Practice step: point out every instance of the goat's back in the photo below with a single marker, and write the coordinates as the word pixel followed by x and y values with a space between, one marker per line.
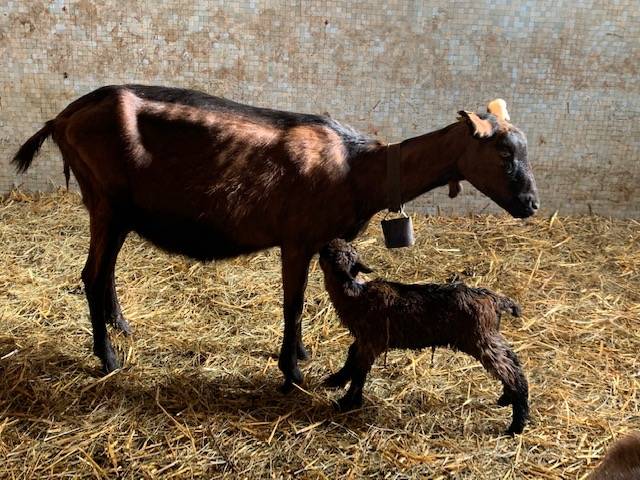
pixel 419 315
pixel 208 177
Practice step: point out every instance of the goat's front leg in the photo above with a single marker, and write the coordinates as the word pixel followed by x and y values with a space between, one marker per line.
pixel 295 268
pixel 301 351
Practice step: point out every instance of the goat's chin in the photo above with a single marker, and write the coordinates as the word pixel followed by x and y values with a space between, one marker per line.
pixel 516 209
pixel 522 212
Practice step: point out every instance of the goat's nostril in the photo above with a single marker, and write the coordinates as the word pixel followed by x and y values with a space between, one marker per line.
pixel 530 201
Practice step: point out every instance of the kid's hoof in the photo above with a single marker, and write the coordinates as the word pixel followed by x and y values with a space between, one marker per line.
pixel 348 404
pixel 514 429
pixel 520 416
pixel 504 400
pixel 286 387
pixel 335 380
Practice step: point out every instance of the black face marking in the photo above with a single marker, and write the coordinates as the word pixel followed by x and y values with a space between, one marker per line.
pixel 515 142
pixel 512 148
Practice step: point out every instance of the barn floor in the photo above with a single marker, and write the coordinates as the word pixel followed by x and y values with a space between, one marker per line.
pixel 198 394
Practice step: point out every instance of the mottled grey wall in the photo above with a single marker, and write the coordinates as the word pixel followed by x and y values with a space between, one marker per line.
pixel 568 70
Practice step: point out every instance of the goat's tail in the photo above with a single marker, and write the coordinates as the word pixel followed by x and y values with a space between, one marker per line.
pixel 22 160
pixel 506 304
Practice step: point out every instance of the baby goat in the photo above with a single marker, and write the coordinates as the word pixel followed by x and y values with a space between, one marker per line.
pixel 383 315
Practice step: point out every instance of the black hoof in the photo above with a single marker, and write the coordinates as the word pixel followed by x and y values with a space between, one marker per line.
pixel 335 380
pixel 520 417
pixel 301 352
pixel 504 400
pixel 514 429
pixel 295 377
pixel 286 387
pixel 120 323
pixel 347 404
pixel 110 364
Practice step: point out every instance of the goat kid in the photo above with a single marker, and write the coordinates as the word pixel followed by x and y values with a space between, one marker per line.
pixel 385 315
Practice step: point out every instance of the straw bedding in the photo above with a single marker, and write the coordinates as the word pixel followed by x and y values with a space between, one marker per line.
pixel 198 396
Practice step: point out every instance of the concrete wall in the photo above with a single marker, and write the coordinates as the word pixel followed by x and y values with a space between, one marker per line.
pixel 568 70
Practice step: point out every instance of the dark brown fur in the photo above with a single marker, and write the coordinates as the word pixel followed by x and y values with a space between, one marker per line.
pixel 209 178
pixel 386 315
pixel 622 461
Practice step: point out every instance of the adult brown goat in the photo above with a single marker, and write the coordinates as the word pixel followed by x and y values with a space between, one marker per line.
pixel 210 179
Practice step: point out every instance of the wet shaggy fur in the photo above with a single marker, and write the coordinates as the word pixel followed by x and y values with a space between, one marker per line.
pixel 385 315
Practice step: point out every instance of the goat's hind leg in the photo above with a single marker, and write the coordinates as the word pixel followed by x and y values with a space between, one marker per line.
pixel 113 311
pixel 340 378
pixel 105 243
pixel 498 358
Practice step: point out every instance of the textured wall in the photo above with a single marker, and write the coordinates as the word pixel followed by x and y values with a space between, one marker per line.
pixel 568 70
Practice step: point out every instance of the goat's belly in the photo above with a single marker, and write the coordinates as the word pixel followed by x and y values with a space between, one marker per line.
pixel 190 238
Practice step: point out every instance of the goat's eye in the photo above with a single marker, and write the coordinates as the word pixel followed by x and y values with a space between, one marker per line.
pixel 505 153
pixel 509 165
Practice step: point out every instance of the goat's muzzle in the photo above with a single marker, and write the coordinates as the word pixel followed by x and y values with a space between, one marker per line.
pixel 528 204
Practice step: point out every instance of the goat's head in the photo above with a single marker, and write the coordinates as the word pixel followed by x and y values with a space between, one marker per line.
pixel 340 260
pixel 495 161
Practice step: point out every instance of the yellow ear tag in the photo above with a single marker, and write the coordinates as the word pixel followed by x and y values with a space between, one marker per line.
pixel 498 107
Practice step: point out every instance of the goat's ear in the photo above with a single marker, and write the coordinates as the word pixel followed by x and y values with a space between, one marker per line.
pixel 482 127
pixel 361 267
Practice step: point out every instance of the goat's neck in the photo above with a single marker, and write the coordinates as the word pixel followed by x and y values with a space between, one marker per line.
pixel 426 162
